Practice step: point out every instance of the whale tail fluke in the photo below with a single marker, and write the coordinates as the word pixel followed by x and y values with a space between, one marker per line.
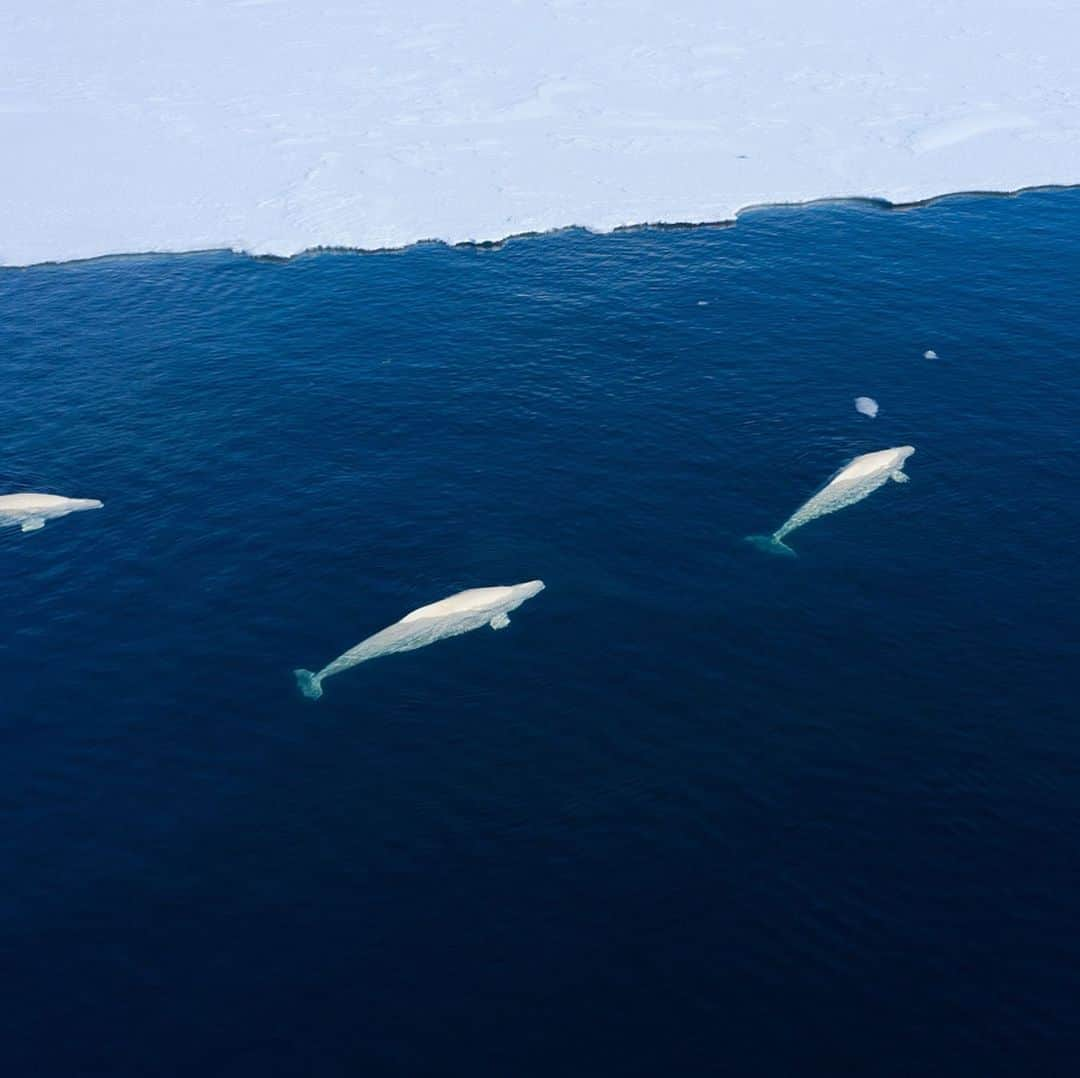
pixel 309 684
pixel 771 545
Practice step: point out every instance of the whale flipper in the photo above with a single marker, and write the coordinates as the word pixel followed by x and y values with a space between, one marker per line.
pixel 500 621
pixel 900 477
pixel 34 524
pixel 309 684
pixel 771 545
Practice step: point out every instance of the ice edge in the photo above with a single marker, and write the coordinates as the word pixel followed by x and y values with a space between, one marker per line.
pixel 495 244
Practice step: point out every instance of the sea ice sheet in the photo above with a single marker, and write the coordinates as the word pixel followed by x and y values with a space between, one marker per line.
pixel 271 127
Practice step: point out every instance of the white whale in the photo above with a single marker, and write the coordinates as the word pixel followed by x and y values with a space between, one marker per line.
pixel 460 613
pixel 851 484
pixel 30 511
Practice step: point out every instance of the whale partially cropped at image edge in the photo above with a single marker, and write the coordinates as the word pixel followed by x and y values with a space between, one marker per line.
pixel 855 481
pixel 31 511
pixel 457 614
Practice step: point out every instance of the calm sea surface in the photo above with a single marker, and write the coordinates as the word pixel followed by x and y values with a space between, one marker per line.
pixel 698 810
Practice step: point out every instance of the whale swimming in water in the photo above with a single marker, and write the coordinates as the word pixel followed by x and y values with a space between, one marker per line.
pixel 855 481
pixel 30 511
pixel 460 613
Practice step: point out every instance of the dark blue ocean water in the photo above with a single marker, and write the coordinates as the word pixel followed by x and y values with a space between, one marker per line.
pixel 699 810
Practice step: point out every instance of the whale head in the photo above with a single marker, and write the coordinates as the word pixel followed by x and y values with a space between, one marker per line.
pixel 903 452
pixel 80 505
pixel 530 588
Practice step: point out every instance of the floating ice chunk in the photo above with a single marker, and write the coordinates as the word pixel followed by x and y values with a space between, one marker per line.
pixel 460 613
pixel 866 405
pixel 703 303
pixel 855 481
pixel 30 511
pixel 929 354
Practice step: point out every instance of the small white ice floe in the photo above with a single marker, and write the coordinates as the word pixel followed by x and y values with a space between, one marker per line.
pixel 929 354
pixel 703 303
pixel 866 405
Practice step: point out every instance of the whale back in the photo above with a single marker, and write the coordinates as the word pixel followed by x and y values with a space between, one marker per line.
pixel 48 504
pixel 869 464
pixel 29 502
pixel 474 599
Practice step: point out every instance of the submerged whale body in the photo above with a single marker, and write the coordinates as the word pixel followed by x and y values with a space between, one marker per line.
pixel 855 481
pixel 457 614
pixel 30 511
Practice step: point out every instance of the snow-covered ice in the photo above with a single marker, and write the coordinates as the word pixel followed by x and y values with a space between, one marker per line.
pixel 272 126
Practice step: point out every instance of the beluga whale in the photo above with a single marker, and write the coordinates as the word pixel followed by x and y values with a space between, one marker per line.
pixel 30 511
pixel 457 614
pixel 855 481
